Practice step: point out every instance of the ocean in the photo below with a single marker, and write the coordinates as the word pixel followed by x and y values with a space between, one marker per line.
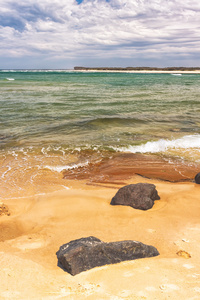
pixel 52 121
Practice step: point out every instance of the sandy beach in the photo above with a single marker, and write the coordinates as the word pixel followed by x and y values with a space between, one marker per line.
pixel 39 224
pixel 143 71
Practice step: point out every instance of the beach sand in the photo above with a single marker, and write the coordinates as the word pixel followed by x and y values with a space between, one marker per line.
pixel 39 224
pixel 144 71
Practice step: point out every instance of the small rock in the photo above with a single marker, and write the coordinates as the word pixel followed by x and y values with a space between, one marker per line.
pixel 162 287
pixel 4 209
pixel 139 196
pixel 185 241
pixel 197 178
pixel 87 253
pixel 183 253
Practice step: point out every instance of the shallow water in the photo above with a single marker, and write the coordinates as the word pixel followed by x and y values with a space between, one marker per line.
pixel 56 120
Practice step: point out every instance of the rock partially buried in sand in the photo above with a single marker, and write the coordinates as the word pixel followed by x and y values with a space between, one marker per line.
pixel 183 253
pixel 4 209
pixel 197 178
pixel 139 196
pixel 87 253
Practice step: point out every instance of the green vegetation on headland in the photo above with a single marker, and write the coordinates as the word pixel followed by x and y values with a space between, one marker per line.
pixel 137 69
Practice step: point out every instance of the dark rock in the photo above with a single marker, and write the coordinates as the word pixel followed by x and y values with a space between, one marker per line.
pixel 197 178
pixel 139 196
pixel 86 253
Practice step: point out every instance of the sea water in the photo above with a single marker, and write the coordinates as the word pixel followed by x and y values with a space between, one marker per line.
pixel 55 120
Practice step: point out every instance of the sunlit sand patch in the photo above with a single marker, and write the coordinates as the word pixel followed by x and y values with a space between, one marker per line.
pixel 144 269
pixel 169 287
pixel 10 295
pixel 197 289
pixel 128 274
pixel 25 243
pixel 197 228
pixel 62 293
pixel 195 275
pixel 150 289
pixel 159 204
pixel 175 261
pixel 142 295
pixel 180 243
pixel 151 230
pixel 125 293
pixel 188 266
pixel 85 290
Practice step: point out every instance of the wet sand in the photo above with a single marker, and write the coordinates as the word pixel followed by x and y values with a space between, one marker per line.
pixel 40 223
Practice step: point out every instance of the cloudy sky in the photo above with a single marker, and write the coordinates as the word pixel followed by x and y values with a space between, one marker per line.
pixel 67 33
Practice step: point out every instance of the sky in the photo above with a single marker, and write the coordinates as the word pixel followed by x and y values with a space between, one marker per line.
pixel 61 34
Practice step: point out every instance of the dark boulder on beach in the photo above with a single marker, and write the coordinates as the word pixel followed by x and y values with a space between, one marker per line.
pixel 87 253
pixel 139 196
pixel 197 178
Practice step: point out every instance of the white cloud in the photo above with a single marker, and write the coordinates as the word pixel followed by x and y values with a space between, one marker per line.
pixel 115 28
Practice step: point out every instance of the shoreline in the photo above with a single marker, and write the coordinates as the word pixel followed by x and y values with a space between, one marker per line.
pixel 29 174
pixel 39 224
pixel 135 72
pixel 141 70
pixel 122 166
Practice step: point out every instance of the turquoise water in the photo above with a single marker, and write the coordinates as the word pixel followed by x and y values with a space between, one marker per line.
pixel 96 110
pixel 56 120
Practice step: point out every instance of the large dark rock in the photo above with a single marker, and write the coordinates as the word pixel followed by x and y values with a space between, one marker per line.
pixel 139 196
pixel 197 178
pixel 86 253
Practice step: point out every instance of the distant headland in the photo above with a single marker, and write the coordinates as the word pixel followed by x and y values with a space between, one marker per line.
pixel 139 69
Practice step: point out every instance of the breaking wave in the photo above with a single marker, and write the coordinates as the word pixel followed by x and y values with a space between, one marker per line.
pixel 67 167
pixel 163 145
pixel 176 74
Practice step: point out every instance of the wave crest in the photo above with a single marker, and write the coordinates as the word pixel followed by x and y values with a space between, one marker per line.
pixel 163 145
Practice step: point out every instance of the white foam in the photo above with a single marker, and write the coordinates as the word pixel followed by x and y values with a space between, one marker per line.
pixel 162 145
pixel 10 79
pixel 13 153
pixel 66 167
pixel 66 187
pixel 176 74
pixel 3 175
